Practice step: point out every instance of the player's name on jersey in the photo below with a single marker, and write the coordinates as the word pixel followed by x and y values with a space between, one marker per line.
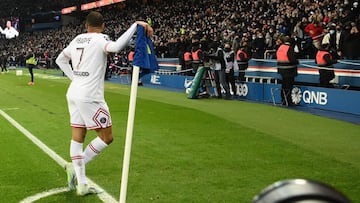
pixel 82 40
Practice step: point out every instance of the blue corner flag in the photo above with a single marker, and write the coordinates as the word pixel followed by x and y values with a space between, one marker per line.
pixel 144 56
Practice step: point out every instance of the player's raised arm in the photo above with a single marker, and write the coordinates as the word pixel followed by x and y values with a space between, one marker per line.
pixel 124 39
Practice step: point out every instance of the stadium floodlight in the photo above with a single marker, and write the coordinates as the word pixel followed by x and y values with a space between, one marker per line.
pixel 300 191
pixel 98 4
pixel 68 10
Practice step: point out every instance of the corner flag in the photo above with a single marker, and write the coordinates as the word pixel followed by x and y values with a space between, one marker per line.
pixel 144 51
pixel 144 58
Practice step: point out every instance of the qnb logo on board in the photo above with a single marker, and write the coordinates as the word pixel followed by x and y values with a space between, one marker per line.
pixel 242 90
pixel 309 97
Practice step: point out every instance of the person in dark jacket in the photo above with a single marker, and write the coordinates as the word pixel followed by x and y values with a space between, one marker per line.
pixel 287 68
pixel 349 42
pixel 3 62
pixel 229 62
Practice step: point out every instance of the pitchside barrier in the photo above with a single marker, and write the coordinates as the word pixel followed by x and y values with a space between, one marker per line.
pixel 347 72
pixel 263 84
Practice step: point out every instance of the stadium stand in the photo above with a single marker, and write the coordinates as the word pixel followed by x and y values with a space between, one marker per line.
pixel 260 22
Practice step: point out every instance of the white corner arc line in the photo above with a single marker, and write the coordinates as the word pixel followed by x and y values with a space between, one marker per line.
pixel 104 196
pixel 44 194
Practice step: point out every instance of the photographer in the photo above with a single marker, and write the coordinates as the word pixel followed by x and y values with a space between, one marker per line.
pixel 330 40
pixel 230 62
pixel 220 66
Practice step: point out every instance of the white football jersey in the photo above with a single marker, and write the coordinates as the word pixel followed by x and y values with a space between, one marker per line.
pixel 88 55
pixel 88 59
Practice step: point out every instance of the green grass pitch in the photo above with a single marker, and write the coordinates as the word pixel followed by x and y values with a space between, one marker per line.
pixel 183 150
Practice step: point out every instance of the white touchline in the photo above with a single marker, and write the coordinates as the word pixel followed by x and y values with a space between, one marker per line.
pixel 8 109
pixel 104 196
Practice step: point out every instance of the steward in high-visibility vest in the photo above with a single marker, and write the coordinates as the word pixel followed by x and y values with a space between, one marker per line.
pixel 187 63
pixel 197 56
pixel 31 63
pixel 187 58
pixel 287 68
pixel 242 58
pixel 131 57
pixel 325 62
pixel 31 60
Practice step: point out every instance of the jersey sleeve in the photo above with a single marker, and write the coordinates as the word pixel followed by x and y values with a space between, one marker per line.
pixel 63 61
pixel 67 49
pixel 122 41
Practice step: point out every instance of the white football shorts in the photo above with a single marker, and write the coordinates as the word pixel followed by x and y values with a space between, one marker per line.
pixel 90 115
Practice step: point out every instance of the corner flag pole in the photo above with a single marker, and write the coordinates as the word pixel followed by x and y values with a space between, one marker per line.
pixel 129 134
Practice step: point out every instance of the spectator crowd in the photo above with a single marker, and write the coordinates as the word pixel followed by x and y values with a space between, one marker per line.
pixel 258 24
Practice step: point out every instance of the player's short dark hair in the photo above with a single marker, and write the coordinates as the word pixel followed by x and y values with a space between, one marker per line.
pixel 94 19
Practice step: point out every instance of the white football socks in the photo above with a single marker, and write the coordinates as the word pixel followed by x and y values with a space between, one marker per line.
pixel 80 158
pixel 76 154
pixel 93 149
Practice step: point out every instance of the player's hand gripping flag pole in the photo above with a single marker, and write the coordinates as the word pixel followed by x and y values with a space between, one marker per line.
pixel 145 58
